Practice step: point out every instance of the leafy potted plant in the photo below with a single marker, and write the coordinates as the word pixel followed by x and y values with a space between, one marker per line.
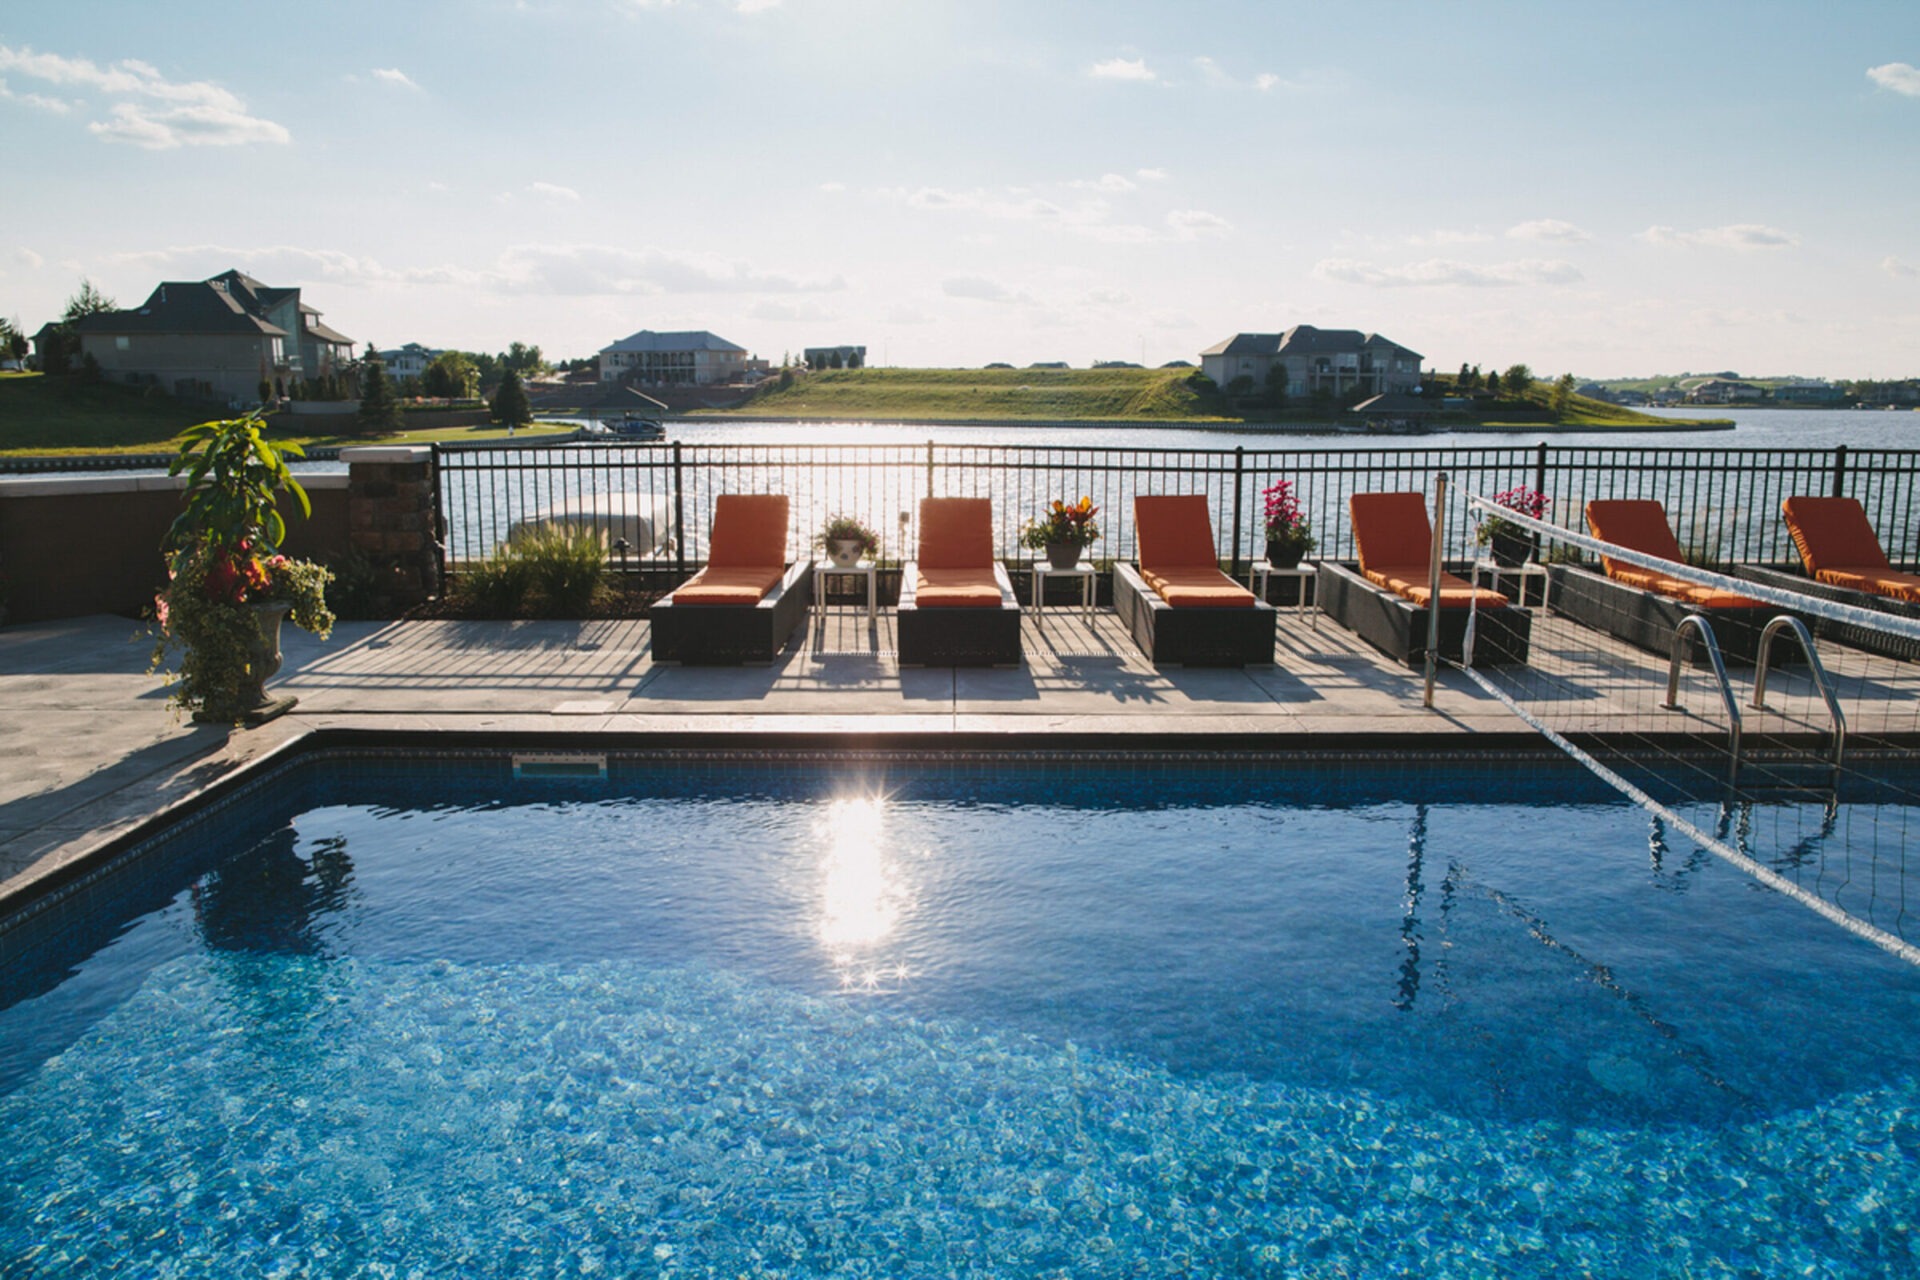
pixel 1510 545
pixel 1289 534
pixel 1063 530
pixel 847 540
pixel 228 588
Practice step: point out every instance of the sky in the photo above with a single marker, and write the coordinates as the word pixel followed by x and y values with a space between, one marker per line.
pixel 1607 189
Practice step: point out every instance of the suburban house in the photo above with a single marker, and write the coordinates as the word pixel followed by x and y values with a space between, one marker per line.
pixel 686 359
pixel 1724 391
pixel 1810 391
pixel 214 339
pixel 845 357
pixel 410 361
pixel 1338 361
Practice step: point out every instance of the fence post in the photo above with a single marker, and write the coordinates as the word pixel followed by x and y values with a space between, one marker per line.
pixel 439 513
pixel 679 517
pixel 1239 504
pixel 929 468
pixel 1839 470
pixel 1540 468
pixel 1433 585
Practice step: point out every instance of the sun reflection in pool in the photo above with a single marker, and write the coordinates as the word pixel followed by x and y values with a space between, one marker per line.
pixel 860 900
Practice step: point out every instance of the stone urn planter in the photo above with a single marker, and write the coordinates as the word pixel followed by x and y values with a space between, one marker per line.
pixel 844 552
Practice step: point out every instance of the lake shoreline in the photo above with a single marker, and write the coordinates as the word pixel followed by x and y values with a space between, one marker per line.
pixel 1223 426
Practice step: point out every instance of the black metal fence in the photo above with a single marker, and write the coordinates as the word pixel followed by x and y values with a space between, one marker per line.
pixel 1724 503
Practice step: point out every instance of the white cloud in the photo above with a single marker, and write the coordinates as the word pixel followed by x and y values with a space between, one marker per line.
pixel 833 186
pixel 1443 236
pixel 568 270
pixel 755 6
pixel 1109 298
pixel 1151 175
pixel 981 289
pixel 1212 71
pixel 791 313
pixel 1741 236
pixel 1191 224
pixel 40 102
pixel 34 261
pixel 1134 69
pixel 1551 230
pixel 1219 77
pixel 397 77
pixel 1441 271
pixel 198 113
pixel 1895 267
pixel 563 195
pixel 1107 182
pixel 1266 81
pixel 1897 76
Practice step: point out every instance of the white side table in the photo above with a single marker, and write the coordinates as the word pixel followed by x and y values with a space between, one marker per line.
pixel 1532 569
pixel 824 569
pixel 1083 570
pixel 1304 573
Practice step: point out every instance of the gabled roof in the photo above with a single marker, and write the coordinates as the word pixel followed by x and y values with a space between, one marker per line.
pixel 1303 340
pixel 232 302
pixel 683 340
pixel 182 306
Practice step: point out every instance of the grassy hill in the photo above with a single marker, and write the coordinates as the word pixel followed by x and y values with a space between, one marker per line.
pixel 44 416
pixel 1153 394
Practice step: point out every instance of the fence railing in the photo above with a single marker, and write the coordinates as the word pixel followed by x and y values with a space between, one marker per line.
pixel 1724 503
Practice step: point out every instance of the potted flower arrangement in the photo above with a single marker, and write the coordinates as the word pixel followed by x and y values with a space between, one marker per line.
pixel 1063 530
pixel 1289 535
pixel 1509 544
pixel 228 588
pixel 847 540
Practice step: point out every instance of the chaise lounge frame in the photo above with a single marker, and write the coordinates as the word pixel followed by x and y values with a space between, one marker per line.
pixel 1398 627
pixel 1171 636
pixel 712 633
pixel 958 635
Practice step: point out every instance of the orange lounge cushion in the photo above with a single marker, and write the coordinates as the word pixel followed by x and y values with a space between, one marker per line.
pixel 1174 531
pixel 1833 533
pixel 1198 588
pixel 1411 582
pixel 1391 530
pixel 1881 582
pixel 1680 589
pixel 937 588
pixel 957 533
pixel 1636 523
pixel 749 530
pixel 727 584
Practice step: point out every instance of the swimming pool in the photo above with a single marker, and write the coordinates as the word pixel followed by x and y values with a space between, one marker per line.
pixel 995 1016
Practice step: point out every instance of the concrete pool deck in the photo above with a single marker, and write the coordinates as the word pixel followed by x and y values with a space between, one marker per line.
pixel 92 750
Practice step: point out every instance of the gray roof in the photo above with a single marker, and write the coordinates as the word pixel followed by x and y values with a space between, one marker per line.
pixel 182 306
pixel 1303 340
pixel 231 302
pixel 684 340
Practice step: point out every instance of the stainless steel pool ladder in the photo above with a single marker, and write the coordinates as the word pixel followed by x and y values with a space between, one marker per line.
pixel 1787 622
pixel 1784 622
pixel 1699 623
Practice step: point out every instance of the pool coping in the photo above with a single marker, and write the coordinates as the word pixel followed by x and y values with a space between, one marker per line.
pixel 80 864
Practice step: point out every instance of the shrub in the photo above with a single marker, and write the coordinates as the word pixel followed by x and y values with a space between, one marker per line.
pixel 497 586
pixel 567 568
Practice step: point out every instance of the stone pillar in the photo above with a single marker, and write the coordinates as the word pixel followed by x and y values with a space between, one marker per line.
pixel 390 522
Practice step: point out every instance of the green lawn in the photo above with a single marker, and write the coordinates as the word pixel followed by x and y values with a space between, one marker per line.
pixel 1013 394
pixel 40 416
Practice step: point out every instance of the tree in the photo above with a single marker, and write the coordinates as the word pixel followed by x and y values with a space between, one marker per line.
pixel 13 340
pixel 524 360
pixel 1562 394
pixel 1519 380
pixel 855 360
pixel 510 402
pixel 451 375
pixel 89 301
pixel 1277 379
pixel 1493 383
pixel 487 366
pixel 379 406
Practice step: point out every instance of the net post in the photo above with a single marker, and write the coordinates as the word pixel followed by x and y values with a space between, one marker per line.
pixel 1433 585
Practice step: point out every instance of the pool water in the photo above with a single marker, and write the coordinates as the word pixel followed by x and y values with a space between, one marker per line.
pixel 899 1017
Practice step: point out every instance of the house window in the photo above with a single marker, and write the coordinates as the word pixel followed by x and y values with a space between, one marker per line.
pixel 122 343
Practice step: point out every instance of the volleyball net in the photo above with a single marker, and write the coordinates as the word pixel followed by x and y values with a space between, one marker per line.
pixel 1768 719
